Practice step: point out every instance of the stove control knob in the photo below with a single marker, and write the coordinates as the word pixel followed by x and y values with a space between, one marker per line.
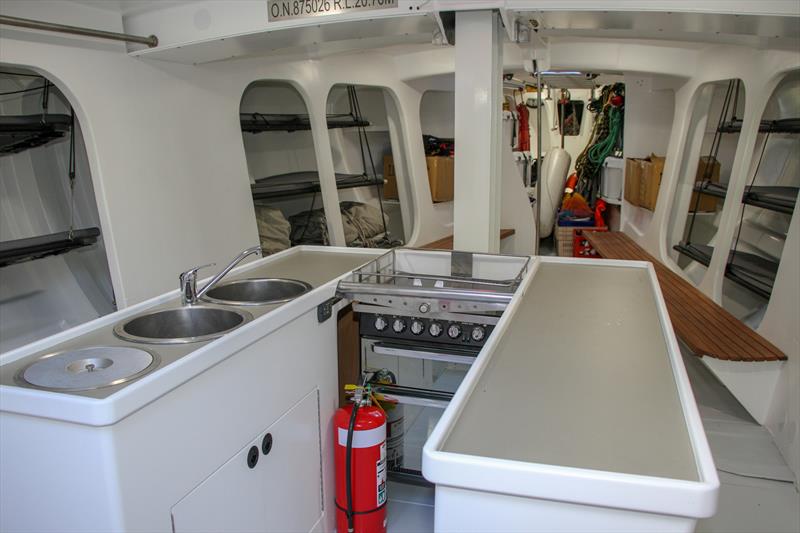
pixel 478 333
pixel 399 325
pixel 454 331
pixel 380 323
pixel 417 327
pixel 435 329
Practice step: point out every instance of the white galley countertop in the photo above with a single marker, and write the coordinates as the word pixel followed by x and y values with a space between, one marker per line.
pixel 319 266
pixel 580 396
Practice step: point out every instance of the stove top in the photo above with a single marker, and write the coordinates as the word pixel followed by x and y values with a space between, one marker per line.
pixel 426 282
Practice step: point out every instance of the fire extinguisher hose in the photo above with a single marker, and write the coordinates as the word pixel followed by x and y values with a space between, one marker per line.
pixel 348 465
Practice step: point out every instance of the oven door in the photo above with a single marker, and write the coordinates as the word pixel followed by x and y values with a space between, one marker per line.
pixel 435 368
pixel 426 377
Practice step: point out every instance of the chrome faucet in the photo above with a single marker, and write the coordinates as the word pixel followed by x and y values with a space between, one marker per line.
pixel 188 279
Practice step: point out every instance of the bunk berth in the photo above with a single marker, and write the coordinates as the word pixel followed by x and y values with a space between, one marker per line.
pixel 752 271
pixel 780 199
pixel 260 122
pixel 782 125
pixel 21 132
pixel 21 250
pixel 305 182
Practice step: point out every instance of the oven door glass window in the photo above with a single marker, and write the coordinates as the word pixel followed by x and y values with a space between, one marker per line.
pixel 439 369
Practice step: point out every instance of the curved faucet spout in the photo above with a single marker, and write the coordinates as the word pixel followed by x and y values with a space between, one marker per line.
pixel 188 279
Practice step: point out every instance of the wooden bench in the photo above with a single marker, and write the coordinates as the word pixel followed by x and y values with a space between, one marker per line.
pixel 705 327
pixel 446 243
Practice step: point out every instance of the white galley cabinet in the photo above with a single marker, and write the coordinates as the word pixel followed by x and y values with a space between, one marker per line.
pixel 256 491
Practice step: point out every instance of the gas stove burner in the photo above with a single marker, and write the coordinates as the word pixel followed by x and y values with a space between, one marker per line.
pixel 88 368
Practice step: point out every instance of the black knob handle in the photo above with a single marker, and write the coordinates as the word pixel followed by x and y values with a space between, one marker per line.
pixel 266 444
pixel 252 457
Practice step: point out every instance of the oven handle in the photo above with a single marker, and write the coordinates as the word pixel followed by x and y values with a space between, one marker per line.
pixel 385 348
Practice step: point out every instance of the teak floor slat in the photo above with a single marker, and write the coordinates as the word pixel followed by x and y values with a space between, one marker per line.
pixel 446 243
pixel 705 327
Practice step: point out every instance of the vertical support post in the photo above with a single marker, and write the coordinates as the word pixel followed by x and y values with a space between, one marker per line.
pixel 538 156
pixel 479 63
pixel 400 154
pixel 327 175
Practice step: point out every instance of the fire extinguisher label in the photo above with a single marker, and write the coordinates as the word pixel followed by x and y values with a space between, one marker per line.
pixel 381 481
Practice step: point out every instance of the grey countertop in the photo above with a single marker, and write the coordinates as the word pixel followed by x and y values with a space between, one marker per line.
pixel 581 378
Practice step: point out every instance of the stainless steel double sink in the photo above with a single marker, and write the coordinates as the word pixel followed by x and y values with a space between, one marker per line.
pixel 196 323
pixel 95 367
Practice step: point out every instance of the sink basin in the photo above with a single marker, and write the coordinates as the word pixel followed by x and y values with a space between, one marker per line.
pixel 258 291
pixel 181 325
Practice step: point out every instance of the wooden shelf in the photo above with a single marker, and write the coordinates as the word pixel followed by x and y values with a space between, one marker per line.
pixel 446 243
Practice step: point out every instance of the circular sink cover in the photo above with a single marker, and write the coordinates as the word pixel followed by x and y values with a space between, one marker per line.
pixel 88 368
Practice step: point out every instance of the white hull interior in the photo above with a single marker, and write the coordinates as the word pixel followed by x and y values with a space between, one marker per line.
pixel 327 139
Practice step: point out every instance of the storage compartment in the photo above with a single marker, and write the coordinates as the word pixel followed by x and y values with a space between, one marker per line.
pixel 281 161
pixel 54 271
pixel 360 150
pixel 258 491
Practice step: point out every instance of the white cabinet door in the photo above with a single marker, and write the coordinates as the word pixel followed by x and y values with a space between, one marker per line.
pixel 281 493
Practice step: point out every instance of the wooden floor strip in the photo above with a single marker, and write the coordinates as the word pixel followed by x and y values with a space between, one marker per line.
pixel 446 243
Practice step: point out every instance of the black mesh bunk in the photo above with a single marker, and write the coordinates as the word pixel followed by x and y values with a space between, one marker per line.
pixel 21 132
pixel 780 199
pixel 21 250
pixel 782 125
pixel 299 183
pixel 259 122
pixel 749 270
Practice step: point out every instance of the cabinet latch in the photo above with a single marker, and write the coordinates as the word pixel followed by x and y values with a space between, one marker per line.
pixel 325 309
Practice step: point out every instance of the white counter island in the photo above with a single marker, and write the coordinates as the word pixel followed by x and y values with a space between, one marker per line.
pixel 577 415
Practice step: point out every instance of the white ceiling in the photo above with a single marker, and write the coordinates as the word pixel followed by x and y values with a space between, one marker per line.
pixel 128 7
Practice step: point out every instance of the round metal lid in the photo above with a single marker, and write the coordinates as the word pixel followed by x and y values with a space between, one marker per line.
pixel 88 368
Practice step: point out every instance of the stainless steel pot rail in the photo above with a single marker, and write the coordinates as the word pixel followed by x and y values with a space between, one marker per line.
pixel 383 282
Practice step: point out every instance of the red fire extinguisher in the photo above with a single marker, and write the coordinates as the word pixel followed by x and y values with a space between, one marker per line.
pixel 360 457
